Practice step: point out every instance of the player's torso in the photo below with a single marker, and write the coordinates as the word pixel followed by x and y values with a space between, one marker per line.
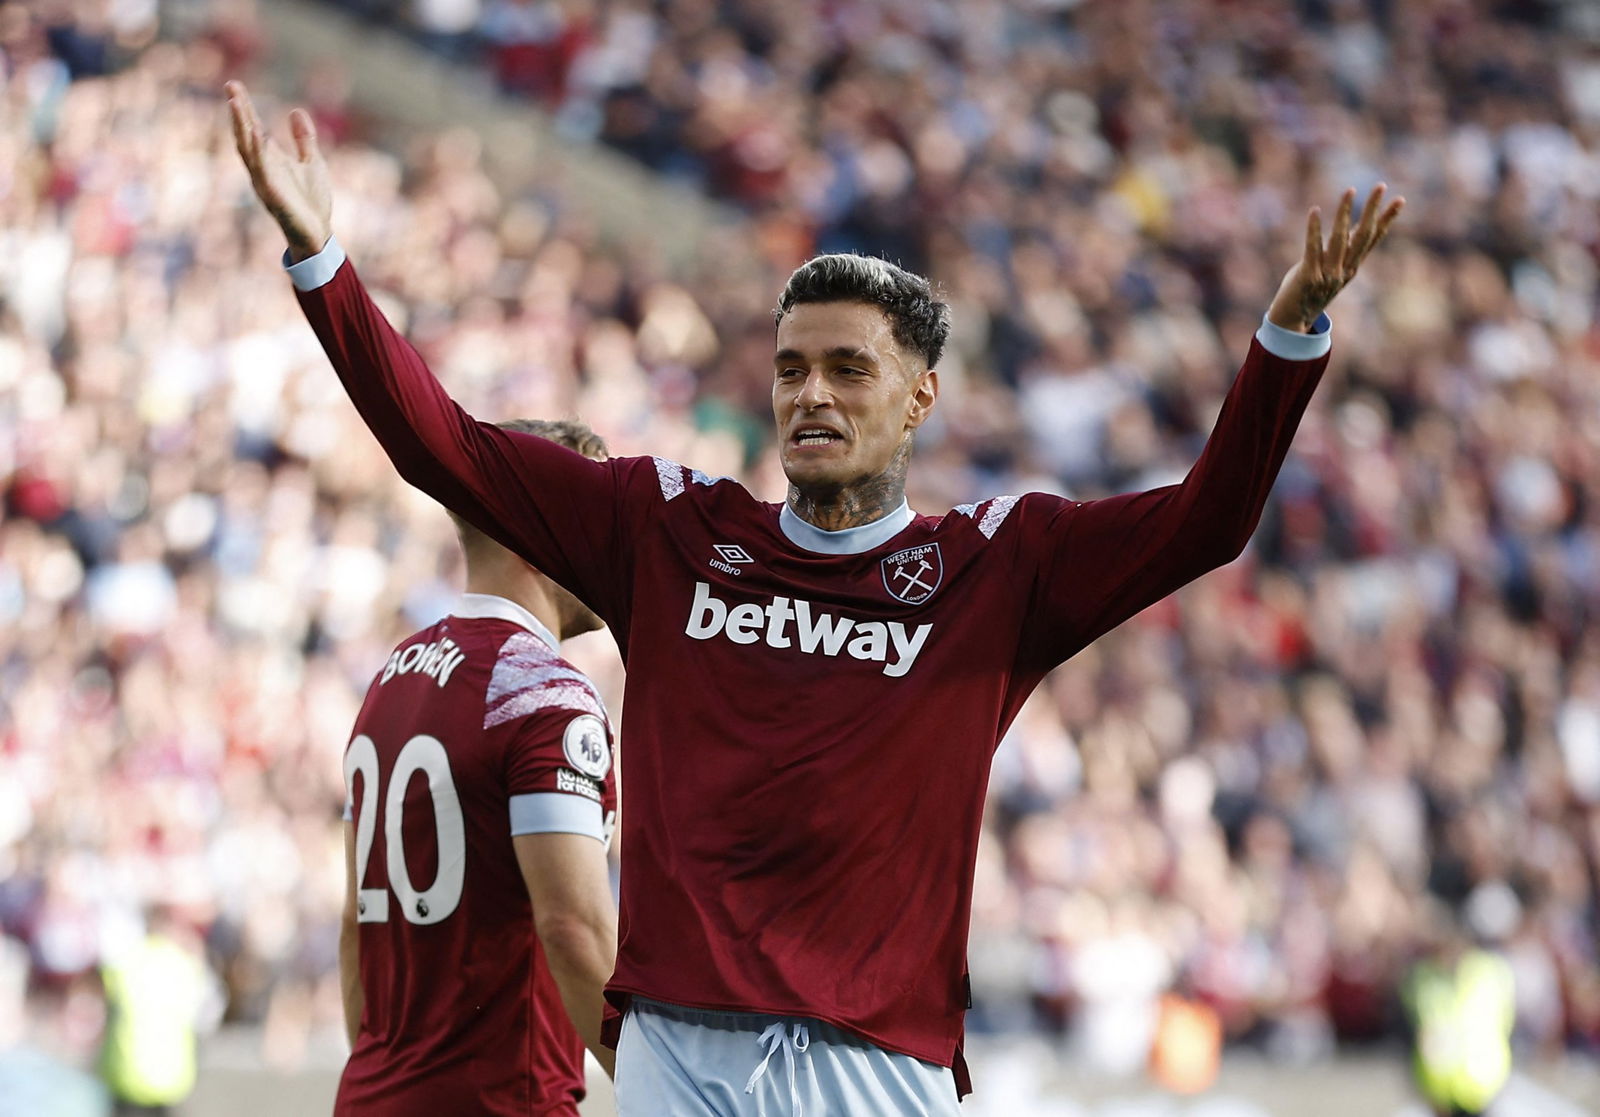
pixel 719 584
pixel 456 994
pixel 802 685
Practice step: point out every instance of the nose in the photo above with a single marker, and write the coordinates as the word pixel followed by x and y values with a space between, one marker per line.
pixel 814 392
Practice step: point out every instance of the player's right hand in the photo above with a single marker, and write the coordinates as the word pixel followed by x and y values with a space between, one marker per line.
pixel 293 186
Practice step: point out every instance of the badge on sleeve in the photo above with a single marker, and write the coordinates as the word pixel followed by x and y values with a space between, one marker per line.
pixel 585 745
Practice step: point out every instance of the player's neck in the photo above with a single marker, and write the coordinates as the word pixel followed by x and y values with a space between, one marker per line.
pixel 520 586
pixel 854 505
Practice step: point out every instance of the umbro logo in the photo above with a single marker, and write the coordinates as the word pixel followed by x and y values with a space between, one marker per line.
pixel 732 556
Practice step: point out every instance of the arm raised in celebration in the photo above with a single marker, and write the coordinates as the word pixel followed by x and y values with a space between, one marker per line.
pixel 1105 560
pixel 556 509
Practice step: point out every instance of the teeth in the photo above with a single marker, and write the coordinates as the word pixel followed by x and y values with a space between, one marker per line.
pixel 813 438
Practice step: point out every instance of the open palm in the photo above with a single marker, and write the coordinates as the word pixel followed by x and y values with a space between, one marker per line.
pixel 292 185
pixel 1324 270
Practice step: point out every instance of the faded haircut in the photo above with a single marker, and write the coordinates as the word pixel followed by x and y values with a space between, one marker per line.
pixel 918 319
pixel 574 434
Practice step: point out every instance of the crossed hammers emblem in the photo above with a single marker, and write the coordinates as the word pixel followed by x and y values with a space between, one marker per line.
pixel 914 577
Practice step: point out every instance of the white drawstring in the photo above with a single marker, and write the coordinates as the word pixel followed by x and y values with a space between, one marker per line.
pixel 794 1044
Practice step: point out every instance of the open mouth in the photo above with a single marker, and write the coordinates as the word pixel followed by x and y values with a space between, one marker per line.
pixel 816 436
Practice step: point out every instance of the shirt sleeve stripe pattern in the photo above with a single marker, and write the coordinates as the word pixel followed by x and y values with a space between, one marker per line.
pixel 999 508
pixel 528 678
pixel 670 474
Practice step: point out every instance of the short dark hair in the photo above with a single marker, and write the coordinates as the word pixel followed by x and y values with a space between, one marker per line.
pixel 574 434
pixel 918 319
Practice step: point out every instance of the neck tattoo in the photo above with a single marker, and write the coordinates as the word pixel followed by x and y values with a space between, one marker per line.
pixel 853 505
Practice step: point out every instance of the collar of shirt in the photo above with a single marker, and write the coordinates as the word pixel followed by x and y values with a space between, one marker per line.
pixel 850 540
pixel 473 605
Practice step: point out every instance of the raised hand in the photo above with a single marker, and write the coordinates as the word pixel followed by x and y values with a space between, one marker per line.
pixel 293 186
pixel 1323 271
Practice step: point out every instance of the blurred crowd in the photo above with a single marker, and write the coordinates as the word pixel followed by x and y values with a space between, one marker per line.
pixel 1270 794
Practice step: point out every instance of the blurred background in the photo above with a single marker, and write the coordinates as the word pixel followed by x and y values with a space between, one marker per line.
pixel 1333 807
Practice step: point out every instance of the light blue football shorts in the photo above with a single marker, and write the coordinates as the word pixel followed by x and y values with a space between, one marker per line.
pixel 688 1062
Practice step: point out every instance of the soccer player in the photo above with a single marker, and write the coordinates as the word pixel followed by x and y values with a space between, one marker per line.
pixel 479 928
pixel 815 689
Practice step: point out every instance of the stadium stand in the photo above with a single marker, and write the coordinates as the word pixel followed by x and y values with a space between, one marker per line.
pixel 1266 793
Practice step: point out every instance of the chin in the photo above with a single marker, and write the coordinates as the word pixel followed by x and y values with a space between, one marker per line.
pixel 816 477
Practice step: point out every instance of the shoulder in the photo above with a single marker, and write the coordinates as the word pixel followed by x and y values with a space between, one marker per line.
pixel 434 652
pixel 1016 512
pixel 529 679
pixel 674 480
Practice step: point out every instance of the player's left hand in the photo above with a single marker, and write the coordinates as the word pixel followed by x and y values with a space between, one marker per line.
pixel 1325 270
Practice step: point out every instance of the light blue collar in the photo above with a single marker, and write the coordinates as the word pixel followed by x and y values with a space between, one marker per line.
pixel 476 605
pixel 847 541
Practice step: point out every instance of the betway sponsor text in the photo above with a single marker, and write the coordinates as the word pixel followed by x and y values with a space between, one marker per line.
pixel 814 632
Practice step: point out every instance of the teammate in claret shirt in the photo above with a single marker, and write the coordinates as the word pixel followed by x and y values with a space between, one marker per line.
pixel 479 928
pixel 815 689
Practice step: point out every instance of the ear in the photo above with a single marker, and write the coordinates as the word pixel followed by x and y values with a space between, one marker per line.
pixel 924 394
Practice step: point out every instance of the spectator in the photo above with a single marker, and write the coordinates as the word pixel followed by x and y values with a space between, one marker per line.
pixel 1243 793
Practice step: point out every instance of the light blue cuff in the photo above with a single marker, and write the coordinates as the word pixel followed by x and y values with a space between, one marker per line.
pixel 555 812
pixel 314 271
pixel 1290 346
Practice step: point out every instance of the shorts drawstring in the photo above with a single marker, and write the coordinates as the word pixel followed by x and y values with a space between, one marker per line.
pixel 794 1044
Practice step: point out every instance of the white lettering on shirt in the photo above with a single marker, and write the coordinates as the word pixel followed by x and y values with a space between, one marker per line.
pixel 816 633
pixel 437 660
pixel 574 784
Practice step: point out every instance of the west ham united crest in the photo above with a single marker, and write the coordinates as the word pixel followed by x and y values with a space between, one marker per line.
pixel 914 573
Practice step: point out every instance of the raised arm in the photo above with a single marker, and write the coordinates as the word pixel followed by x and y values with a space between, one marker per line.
pixel 1103 561
pixel 558 510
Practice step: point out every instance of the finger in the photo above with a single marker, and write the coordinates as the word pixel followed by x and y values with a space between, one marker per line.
pixel 1380 227
pixel 244 137
pixel 246 125
pixel 1311 265
pixel 1380 230
pixel 1369 213
pixel 1386 220
pixel 1366 231
pixel 241 130
pixel 1339 242
pixel 304 131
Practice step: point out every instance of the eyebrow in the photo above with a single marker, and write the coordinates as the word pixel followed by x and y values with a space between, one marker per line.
pixel 836 353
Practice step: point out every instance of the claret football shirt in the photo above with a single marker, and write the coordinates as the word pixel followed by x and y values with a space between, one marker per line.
pixel 811 714
pixel 474 731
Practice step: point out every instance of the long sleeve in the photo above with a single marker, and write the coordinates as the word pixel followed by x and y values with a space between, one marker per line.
pixel 1097 563
pixel 558 510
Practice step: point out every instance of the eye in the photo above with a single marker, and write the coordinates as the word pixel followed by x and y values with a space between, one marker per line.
pixel 790 373
pixel 850 370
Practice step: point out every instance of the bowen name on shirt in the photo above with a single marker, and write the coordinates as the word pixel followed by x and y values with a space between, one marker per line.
pixel 814 632
pixel 437 660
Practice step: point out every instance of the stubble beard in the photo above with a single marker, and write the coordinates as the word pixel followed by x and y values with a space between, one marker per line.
pixel 846 504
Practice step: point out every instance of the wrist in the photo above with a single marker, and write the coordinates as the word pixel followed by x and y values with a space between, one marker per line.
pixel 305 247
pixel 1291 320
